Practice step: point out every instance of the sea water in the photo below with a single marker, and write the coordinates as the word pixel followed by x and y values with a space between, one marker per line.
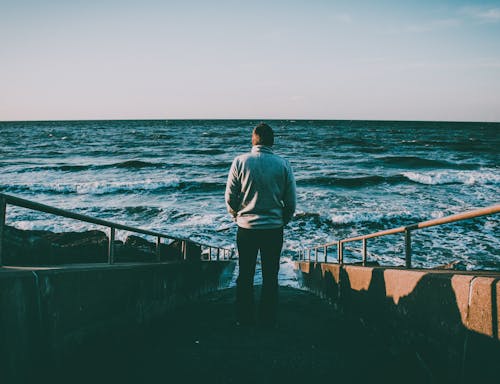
pixel 353 178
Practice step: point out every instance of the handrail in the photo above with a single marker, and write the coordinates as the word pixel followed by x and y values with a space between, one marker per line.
pixel 17 201
pixel 405 229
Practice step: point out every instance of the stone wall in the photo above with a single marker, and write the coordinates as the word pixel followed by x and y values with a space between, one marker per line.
pixel 448 321
pixel 48 313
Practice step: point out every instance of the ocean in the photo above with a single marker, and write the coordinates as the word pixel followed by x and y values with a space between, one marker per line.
pixel 353 177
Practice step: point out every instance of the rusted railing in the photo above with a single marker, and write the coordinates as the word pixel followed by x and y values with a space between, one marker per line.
pixel 305 253
pixel 220 253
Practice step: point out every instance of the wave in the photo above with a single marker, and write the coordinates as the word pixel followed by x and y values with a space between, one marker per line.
pixel 368 221
pixel 107 188
pixel 363 217
pixel 131 214
pixel 306 215
pixel 204 151
pixel 142 210
pixel 352 182
pixel 128 164
pixel 344 225
pixel 95 188
pixel 62 168
pixel 463 145
pixel 453 177
pixel 72 168
pixel 220 165
pixel 201 186
pixel 133 164
pixel 419 162
pixel 426 178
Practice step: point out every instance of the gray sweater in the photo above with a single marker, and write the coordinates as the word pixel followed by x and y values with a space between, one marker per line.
pixel 260 190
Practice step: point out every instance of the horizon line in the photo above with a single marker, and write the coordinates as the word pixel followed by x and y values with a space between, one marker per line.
pixel 252 119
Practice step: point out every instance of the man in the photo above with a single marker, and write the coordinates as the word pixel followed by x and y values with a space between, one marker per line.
pixel 260 195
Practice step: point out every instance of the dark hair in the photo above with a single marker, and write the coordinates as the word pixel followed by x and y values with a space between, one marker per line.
pixel 264 135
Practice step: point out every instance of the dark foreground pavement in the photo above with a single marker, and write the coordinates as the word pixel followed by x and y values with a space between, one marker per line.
pixel 200 343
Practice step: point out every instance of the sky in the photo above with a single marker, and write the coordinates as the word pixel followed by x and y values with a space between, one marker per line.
pixel 294 59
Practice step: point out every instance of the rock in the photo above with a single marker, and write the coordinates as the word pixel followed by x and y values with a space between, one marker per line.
pixel 139 249
pixel 36 248
pixel 456 265
pixel 78 247
pixel 32 247
pixel 136 249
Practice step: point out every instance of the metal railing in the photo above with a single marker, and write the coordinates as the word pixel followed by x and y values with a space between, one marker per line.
pixel 305 253
pixel 220 253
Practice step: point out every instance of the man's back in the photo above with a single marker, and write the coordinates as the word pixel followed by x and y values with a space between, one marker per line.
pixel 260 191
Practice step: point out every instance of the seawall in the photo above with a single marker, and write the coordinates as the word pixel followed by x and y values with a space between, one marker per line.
pixel 448 321
pixel 49 313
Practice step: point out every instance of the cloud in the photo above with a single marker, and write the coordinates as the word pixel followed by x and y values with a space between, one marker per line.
pixel 483 14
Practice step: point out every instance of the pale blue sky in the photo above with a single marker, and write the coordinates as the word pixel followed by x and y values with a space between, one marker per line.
pixel 110 59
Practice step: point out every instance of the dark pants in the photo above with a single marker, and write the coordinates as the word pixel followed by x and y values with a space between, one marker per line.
pixel 249 242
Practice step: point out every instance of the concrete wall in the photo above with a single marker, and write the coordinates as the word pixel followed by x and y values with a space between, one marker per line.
pixel 447 320
pixel 45 314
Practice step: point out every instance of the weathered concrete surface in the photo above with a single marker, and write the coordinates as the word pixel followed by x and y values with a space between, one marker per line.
pixel 199 343
pixel 449 319
pixel 47 313
pixel 19 325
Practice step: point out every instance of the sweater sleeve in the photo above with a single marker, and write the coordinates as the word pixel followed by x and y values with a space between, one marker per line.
pixel 290 196
pixel 233 190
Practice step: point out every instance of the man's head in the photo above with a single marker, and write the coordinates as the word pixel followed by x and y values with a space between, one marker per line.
pixel 263 135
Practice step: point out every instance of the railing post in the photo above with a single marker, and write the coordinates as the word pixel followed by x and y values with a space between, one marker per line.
pixel 316 254
pixel 363 252
pixel 209 253
pixel 158 245
pixel 218 254
pixel 408 247
pixel 111 246
pixel 3 210
pixel 340 252
pixel 184 249
pixel 325 251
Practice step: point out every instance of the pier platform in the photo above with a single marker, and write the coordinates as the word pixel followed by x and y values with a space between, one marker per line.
pixel 171 320
pixel 200 343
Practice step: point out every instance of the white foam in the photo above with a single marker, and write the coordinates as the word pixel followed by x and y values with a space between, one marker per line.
pixel 373 217
pixel 201 219
pixel 450 176
pixel 98 187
